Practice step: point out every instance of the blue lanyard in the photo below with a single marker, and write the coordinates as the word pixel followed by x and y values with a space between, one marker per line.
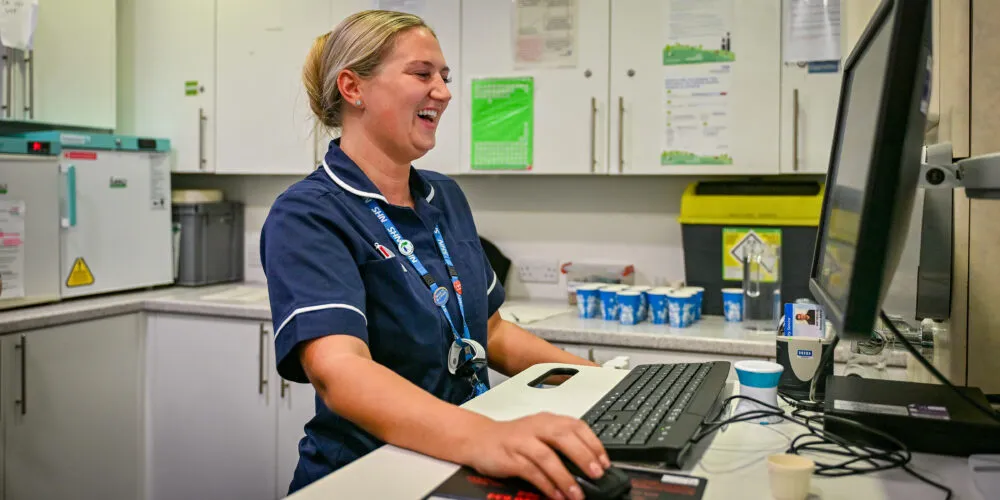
pixel 438 293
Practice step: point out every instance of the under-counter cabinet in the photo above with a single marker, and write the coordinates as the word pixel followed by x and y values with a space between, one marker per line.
pixel 221 423
pixel 71 410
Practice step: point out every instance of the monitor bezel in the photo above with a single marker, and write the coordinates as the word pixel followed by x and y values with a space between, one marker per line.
pixel 904 65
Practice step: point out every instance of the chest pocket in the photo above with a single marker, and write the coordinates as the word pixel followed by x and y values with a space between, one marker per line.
pixel 404 329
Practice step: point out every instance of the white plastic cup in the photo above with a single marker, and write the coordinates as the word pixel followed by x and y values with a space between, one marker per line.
pixel 758 380
pixel 789 476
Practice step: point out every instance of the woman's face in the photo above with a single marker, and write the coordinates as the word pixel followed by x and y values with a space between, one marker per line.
pixel 406 97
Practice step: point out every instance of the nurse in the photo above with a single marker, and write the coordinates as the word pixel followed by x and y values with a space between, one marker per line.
pixel 381 295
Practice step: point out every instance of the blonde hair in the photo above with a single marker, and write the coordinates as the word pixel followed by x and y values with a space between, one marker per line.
pixel 359 43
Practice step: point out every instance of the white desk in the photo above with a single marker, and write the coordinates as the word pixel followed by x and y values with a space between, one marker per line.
pixel 734 462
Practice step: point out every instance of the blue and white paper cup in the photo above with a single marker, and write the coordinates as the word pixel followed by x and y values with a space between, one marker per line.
pixel 732 304
pixel 680 308
pixel 609 301
pixel 588 300
pixel 658 309
pixel 643 300
pixel 628 306
pixel 699 294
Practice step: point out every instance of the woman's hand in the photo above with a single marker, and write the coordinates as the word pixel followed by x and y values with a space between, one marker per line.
pixel 526 447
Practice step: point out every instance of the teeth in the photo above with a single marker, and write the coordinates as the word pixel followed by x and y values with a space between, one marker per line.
pixel 430 113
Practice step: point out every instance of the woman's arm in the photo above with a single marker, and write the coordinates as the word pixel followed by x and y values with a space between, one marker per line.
pixel 398 412
pixel 511 349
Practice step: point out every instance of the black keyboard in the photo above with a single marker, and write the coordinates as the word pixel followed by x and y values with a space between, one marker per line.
pixel 651 415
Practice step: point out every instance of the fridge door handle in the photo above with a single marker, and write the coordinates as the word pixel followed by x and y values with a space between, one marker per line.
pixel 70 219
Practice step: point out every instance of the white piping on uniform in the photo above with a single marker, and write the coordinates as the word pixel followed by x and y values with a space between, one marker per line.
pixel 348 188
pixel 317 308
pixel 492 285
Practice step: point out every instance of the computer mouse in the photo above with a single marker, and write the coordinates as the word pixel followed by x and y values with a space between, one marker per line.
pixel 613 485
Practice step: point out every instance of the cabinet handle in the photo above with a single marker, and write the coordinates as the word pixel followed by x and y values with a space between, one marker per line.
pixel 261 381
pixel 30 63
pixel 590 355
pixel 621 134
pixel 795 130
pixel 284 386
pixel 201 138
pixel 593 134
pixel 8 61
pixel 23 402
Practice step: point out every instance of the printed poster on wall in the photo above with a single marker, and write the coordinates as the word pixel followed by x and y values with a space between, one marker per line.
pixel 698 61
pixel 736 241
pixel 545 34
pixel 503 116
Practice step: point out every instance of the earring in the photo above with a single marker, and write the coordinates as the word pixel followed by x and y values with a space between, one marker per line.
pixel 357 103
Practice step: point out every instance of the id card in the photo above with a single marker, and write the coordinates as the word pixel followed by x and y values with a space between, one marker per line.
pixel 467 484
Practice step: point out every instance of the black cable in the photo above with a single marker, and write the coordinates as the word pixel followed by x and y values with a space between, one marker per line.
pixel 823 441
pixel 929 367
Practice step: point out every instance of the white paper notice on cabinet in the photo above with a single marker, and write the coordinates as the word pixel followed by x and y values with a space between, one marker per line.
pixel 18 19
pixel 811 30
pixel 415 7
pixel 698 59
pixel 545 33
pixel 11 249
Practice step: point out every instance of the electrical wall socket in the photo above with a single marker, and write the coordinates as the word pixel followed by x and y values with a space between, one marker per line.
pixel 538 270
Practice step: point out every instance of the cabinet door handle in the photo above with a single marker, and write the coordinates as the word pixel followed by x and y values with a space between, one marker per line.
pixel 8 67
pixel 284 387
pixel 30 63
pixel 201 138
pixel 795 130
pixel 621 134
pixel 23 402
pixel 261 380
pixel 590 355
pixel 593 134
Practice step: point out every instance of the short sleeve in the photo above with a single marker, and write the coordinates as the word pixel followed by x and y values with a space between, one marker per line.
pixel 495 293
pixel 313 282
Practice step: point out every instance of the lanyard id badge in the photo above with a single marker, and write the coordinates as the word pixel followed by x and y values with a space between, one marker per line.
pixel 465 356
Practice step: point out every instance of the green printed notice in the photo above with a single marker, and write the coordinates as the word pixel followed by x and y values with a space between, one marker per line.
pixel 191 87
pixel 688 158
pixel 685 54
pixel 503 123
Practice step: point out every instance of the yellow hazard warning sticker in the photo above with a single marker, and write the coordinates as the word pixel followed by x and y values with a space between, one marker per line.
pixel 737 241
pixel 80 275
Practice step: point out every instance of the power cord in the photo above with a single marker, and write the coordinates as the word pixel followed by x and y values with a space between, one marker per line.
pixel 929 367
pixel 823 441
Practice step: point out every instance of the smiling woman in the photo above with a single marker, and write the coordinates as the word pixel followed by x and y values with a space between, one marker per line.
pixel 381 295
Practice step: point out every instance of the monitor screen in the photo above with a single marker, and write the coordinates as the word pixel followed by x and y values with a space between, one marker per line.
pixel 862 96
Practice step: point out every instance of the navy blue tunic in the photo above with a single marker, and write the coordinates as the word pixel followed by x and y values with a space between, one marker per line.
pixel 332 268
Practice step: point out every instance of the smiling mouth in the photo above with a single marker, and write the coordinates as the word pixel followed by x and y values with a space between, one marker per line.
pixel 428 115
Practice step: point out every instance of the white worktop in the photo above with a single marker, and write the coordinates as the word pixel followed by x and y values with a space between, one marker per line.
pixel 550 320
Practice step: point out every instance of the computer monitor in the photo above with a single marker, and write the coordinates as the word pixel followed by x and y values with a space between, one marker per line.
pixel 874 166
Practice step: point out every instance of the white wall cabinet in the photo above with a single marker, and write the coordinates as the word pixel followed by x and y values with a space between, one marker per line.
pixel 167 77
pixel 639 123
pixel 221 423
pixel 264 124
pixel 570 104
pixel 71 75
pixel 71 405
